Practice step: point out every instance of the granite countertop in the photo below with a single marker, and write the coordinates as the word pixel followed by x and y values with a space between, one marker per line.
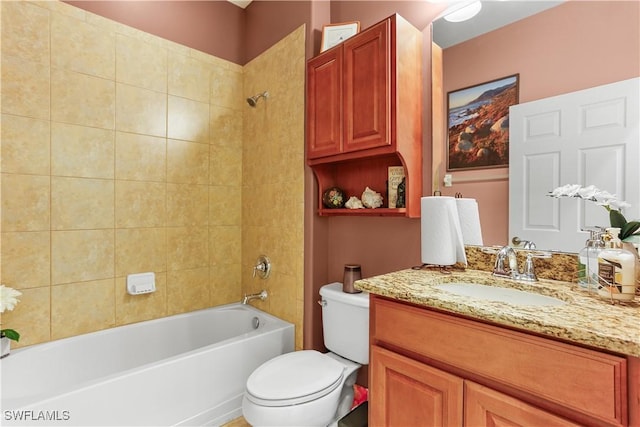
pixel 584 319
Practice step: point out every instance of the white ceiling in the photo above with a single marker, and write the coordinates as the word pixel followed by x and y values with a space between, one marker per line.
pixel 493 15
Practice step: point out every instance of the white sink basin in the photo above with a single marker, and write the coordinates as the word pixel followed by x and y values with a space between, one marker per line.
pixel 494 293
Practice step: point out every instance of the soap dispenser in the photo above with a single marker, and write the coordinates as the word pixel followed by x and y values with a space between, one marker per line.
pixel 616 269
pixel 588 261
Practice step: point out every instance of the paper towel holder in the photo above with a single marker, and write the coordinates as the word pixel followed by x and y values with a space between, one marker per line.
pixel 442 230
pixel 437 193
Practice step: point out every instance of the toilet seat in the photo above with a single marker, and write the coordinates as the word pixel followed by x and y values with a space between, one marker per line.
pixel 294 378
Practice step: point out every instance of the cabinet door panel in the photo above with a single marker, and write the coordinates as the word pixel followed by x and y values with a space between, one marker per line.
pixel 407 393
pixel 367 89
pixel 324 104
pixel 486 407
pixel 515 359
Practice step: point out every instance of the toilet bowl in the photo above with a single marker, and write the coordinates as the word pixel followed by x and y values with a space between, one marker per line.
pixel 309 388
pixel 303 388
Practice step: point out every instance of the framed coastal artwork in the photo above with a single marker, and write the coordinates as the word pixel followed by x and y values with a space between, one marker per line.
pixel 478 124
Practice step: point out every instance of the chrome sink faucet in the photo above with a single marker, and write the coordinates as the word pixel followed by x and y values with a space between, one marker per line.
pixel 507 253
pixel 501 268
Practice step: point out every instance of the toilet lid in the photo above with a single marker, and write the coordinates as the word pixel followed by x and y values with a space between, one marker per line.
pixel 294 378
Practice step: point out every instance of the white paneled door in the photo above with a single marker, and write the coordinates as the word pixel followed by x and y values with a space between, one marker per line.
pixel 589 137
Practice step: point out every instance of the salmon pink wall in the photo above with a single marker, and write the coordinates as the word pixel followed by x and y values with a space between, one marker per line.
pixel 213 27
pixel 418 13
pixel 268 21
pixel 574 46
pixel 216 27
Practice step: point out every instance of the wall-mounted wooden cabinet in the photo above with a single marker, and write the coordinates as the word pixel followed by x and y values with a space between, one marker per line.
pixel 364 114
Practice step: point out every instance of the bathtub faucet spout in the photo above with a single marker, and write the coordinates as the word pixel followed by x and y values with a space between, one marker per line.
pixel 261 296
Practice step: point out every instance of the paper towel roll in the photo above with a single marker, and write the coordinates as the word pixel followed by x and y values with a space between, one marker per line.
pixel 441 235
pixel 469 221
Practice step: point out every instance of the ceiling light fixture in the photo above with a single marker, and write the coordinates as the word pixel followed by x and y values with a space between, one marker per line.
pixel 462 11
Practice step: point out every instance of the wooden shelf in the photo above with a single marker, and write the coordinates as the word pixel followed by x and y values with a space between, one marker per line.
pixel 363 212
pixel 353 176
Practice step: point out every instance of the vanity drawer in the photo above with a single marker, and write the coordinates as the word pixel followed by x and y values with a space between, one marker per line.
pixel 582 380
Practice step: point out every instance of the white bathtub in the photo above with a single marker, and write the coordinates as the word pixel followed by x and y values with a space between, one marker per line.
pixel 188 369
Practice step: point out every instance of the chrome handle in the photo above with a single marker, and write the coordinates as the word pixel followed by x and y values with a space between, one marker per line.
pixel 529 273
pixel 526 244
pixel 491 250
pixel 262 267
pixel 539 254
pixel 322 303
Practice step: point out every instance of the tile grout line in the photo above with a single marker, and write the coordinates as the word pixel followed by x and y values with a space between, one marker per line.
pixel 49 18
pixel 113 140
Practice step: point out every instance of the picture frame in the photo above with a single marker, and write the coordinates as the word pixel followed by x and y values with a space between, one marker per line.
pixel 334 34
pixel 478 124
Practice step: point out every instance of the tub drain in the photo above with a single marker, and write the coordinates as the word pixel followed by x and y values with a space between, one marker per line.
pixel 255 322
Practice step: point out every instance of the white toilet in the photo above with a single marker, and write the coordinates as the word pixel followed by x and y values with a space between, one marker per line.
pixel 309 388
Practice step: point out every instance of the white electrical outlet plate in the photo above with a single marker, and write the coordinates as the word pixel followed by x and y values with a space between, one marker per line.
pixel 141 283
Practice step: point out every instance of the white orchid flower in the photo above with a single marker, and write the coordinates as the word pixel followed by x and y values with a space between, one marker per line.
pixel 605 199
pixel 618 204
pixel 8 298
pixel 605 195
pixel 564 191
pixel 588 193
pixel 557 192
pixel 591 193
pixel 604 202
pixel 572 190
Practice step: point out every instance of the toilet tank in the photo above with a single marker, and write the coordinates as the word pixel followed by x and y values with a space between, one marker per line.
pixel 345 322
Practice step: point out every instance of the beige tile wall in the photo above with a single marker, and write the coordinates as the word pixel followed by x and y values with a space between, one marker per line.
pixel 122 153
pixel 273 177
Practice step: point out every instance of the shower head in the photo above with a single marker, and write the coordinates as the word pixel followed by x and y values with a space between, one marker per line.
pixel 254 99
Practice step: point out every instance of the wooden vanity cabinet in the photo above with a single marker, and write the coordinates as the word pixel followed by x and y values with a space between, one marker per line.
pixel 429 368
pixel 364 114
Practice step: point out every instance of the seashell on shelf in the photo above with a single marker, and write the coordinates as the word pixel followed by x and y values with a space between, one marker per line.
pixel 371 199
pixel 354 203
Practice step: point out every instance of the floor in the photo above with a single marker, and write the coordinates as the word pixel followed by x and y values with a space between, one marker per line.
pixel 238 422
pixel 356 418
